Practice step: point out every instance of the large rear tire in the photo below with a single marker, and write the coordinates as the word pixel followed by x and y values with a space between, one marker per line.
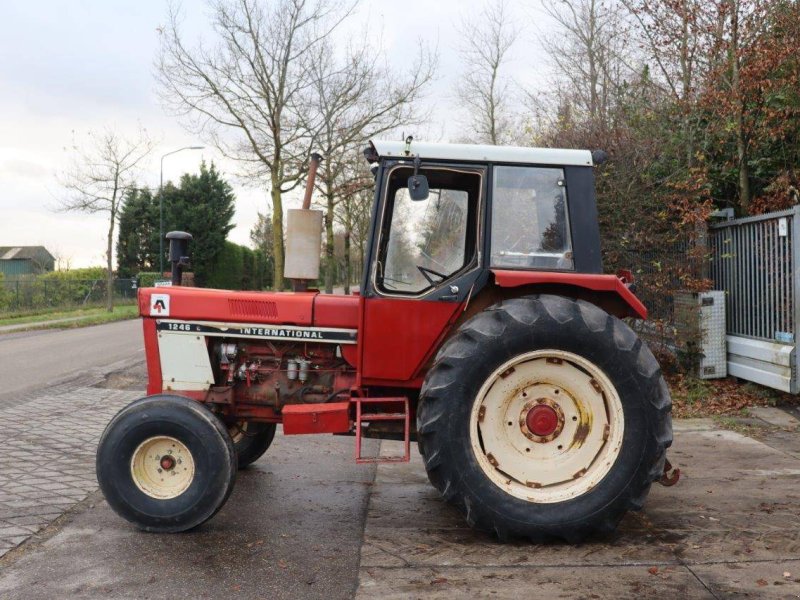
pixel 251 440
pixel 544 417
pixel 166 464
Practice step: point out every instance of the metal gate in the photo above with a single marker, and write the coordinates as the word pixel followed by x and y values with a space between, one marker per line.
pixel 754 260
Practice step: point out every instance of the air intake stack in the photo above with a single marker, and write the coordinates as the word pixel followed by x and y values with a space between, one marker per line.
pixel 178 253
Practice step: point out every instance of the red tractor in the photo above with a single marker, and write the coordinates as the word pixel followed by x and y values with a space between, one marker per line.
pixel 484 329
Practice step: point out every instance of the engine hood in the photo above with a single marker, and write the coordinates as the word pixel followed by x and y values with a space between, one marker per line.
pixel 286 308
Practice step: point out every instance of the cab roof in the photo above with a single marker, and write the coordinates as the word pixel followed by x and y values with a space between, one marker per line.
pixel 484 153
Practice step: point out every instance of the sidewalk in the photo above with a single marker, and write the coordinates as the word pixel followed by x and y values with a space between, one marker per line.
pixel 47 458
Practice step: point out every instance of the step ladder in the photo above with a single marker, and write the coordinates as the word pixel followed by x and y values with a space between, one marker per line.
pixel 382 409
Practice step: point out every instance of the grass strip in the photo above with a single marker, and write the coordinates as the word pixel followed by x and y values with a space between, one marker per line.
pixel 78 318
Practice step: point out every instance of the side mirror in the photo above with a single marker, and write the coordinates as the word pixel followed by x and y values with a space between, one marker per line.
pixel 418 187
pixel 418 184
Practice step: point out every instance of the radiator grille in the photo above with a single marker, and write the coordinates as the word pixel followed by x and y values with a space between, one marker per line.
pixel 253 308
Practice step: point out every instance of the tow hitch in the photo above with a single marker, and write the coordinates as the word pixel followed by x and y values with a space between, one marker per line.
pixel 669 479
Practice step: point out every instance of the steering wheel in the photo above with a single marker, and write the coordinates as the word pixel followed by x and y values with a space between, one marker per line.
pixel 426 270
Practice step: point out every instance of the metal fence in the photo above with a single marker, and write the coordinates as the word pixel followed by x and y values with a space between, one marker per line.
pixel 753 260
pixel 663 271
pixel 41 293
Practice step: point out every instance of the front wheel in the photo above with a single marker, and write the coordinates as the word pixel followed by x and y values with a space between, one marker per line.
pixel 544 417
pixel 166 464
pixel 251 440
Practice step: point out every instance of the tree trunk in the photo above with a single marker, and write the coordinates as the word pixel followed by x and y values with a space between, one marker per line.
pixel 277 232
pixel 329 241
pixel 593 70
pixel 361 252
pixel 741 136
pixel 347 275
pixel 686 93
pixel 109 266
pixel 744 168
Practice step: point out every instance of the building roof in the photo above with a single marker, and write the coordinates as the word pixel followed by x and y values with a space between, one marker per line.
pixel 23 252
pixel 485 153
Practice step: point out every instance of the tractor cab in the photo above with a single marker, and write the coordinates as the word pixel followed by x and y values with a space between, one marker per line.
pixel 484 329
pixel 493 218
pixel 506 208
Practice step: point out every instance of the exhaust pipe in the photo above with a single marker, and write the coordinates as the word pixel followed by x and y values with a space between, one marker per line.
pixel 303 236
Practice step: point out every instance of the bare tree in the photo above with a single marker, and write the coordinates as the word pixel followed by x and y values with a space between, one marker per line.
pixel 102 173
pixel 675 34
pixel 737 13
pixel 483 90
pixel 590 50
pixel 353 212
pixel 353 100
pixel 252 83
pixel 746 67
pixel 62 261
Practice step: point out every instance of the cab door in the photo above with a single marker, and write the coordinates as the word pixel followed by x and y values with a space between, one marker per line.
pixel 425 261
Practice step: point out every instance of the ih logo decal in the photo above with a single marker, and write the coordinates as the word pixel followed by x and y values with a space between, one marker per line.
pixel 159 305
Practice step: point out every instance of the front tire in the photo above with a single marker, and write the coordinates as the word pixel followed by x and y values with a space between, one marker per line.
pixel 166 464
pixel 544 417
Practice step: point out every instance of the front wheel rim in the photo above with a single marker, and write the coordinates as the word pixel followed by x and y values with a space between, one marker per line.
pixel 162 467
pixel 547 426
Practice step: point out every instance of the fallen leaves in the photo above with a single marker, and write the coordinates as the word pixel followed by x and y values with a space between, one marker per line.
pixel 692 397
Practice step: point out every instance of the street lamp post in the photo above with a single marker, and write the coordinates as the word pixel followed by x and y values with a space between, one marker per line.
pixel 161 206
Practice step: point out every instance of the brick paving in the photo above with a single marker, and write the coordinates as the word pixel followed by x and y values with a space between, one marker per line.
pixel 47 456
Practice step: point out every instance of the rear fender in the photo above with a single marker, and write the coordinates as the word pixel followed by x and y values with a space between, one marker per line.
pixel 609 292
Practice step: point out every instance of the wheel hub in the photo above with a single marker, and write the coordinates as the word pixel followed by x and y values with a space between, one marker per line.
pixel 547 426
pixel 162 467
pixel 542 420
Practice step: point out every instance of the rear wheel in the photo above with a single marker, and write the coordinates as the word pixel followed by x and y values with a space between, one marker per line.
pixel 166 464
pixel 544 417
pixel 251 440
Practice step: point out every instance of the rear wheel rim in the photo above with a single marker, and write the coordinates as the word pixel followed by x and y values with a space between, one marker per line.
pixel 547 426
pixel 162 467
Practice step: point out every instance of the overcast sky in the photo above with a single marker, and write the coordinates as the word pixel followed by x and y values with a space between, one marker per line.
pixel 73 65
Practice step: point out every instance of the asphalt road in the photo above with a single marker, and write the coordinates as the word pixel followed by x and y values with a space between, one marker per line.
pixel 37 360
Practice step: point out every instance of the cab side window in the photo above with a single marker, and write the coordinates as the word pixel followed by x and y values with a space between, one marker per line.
pixel 530 221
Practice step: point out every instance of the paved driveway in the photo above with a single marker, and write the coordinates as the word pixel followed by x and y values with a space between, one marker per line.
pixel 730 528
